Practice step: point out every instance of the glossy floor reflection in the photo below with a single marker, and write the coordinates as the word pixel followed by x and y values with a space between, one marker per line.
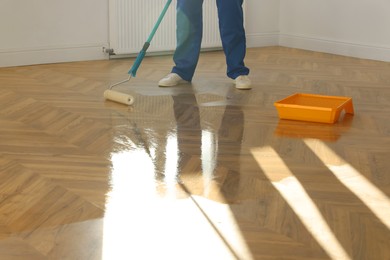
pixel 198 171
pixel 160 181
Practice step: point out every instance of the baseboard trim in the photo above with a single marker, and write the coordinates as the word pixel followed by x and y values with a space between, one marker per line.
pixel 14 57
pixel 262 39
pixel 22 57
pixel 380 53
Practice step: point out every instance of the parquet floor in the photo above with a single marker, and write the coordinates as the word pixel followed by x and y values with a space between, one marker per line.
pixel 199 171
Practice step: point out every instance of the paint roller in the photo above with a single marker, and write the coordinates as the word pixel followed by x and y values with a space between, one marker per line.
pixel 123 98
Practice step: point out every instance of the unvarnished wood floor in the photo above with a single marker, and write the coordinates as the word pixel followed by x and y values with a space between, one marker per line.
pixel 198 171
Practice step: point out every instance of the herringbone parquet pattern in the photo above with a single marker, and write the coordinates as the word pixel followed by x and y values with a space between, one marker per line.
pixel 200 171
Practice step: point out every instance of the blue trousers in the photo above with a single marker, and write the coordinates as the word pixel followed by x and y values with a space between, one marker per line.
pixel 189 37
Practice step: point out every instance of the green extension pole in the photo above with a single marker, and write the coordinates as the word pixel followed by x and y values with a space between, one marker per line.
pixel 133 71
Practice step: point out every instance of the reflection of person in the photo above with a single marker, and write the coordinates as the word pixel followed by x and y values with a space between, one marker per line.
pixel 211 147
pixel 189 38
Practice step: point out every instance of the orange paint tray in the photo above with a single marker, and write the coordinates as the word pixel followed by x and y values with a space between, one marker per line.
pixel 314 108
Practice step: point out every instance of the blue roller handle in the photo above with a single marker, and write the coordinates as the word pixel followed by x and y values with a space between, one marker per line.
pixel 141 54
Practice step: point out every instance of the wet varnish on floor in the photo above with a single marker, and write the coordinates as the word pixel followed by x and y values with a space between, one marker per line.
pixel 197 171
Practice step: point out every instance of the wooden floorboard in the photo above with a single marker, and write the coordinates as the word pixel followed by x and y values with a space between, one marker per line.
pixel 197 171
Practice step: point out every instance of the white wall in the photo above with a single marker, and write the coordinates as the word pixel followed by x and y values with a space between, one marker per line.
pixel 262 22
pixel 359 28
pixel 45 31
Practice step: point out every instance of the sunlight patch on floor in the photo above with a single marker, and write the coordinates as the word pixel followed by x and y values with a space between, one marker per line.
pixel 295 195
pixel 144 222
pixel 359 185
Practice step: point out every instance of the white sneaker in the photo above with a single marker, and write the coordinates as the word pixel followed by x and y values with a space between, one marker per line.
pixel 243 82
pixel 170 80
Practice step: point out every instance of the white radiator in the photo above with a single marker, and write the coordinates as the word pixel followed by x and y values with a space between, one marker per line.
pixel 131 22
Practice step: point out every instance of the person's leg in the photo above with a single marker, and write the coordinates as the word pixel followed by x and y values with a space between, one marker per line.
pixel 189 37
pixel 231 26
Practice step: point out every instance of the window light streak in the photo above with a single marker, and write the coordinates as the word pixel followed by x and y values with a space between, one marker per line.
pixel 208 160
pixel 371 196
pixel 132 178
pixel 295 195
pixel 171 164
pixel 172 158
